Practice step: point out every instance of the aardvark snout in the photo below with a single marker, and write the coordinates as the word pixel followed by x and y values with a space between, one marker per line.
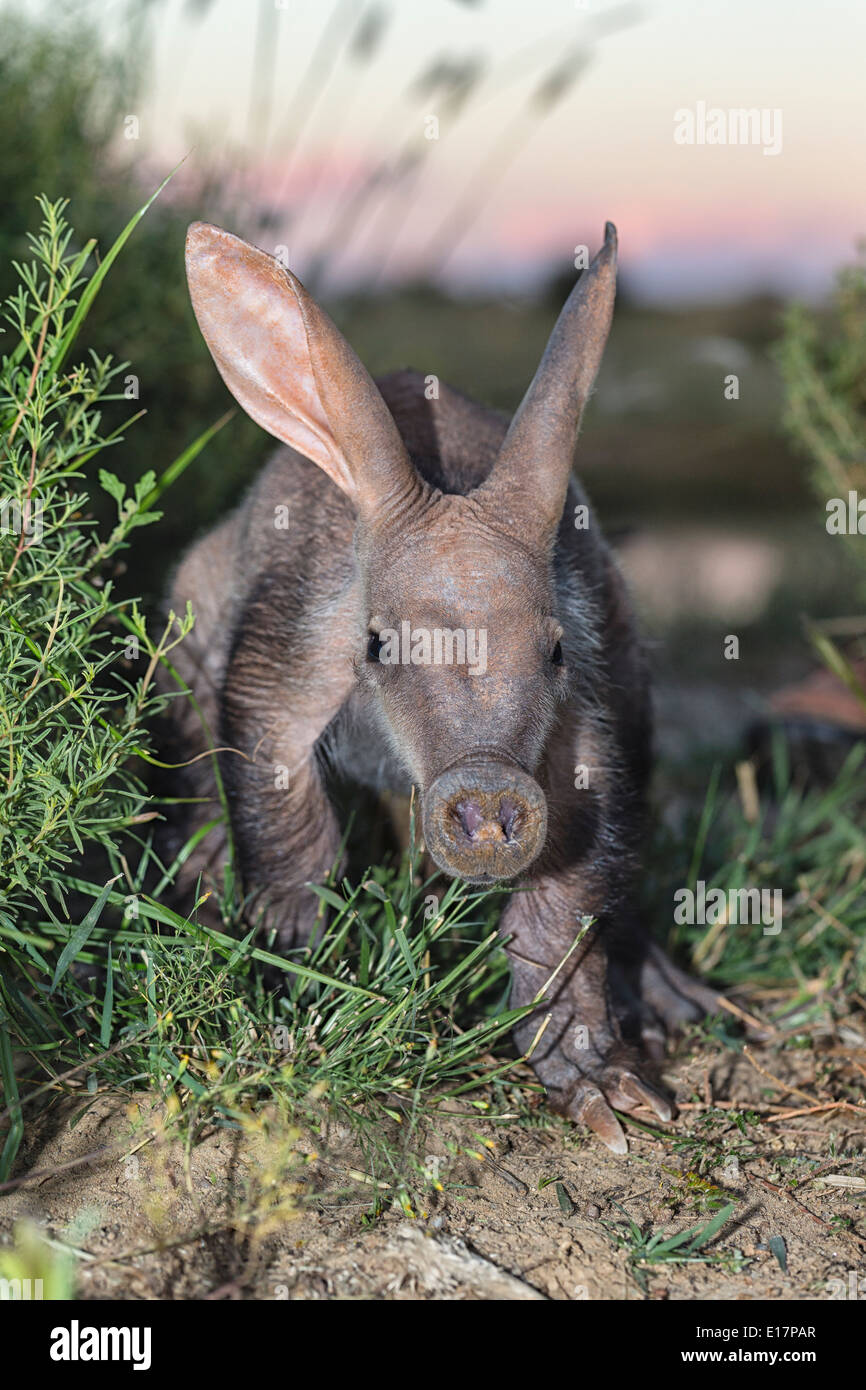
pixel 484 822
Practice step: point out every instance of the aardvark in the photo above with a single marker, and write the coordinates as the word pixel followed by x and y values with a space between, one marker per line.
pixel 423 534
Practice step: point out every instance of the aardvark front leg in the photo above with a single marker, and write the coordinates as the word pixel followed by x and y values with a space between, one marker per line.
pixel 585 872
pixel 581 1057
pixel 286 830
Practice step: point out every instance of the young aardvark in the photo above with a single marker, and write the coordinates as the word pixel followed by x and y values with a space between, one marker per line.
pixel 433 616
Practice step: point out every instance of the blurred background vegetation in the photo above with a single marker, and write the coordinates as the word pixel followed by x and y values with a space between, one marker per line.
pixel 710 499
pixel 64 98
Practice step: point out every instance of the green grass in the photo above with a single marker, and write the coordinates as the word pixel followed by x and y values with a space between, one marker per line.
pixel 808 843
pixel 645 1248
pixel 384 1018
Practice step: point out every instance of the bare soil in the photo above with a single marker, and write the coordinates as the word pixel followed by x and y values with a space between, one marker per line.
pixel 527 1211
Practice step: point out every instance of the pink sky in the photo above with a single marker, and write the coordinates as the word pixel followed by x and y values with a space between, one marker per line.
pixel 695 220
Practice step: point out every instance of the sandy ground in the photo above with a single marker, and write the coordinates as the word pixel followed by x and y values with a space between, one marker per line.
pixel 539 1214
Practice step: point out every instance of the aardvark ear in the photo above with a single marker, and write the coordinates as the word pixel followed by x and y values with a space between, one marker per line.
pixel 528 483
pixel 291 369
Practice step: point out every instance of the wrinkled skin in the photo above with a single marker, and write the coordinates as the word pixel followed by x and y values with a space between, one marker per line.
pixel 436 514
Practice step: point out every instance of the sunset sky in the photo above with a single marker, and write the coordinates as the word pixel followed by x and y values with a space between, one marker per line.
pixel 695 221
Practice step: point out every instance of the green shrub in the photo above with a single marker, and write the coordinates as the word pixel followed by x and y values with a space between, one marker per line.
pixel 103 984
pixel 822 356
pixel 73 712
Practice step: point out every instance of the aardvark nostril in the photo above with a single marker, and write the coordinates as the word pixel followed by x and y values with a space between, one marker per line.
pixel 489 818
pixel 508 813
pixel 471 817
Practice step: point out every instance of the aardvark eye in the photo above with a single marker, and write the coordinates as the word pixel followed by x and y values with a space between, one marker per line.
pixel 556 655
pixel 374 647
